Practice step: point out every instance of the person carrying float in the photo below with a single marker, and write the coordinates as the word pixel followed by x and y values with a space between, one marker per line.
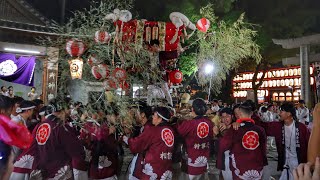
pixel 157 143
pixel 56 153
pixel 142 116
pixel 100 148
pixel 247 146
pixel 197 134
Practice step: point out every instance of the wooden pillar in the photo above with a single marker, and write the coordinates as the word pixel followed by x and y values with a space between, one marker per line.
pixel 317 79
pixel 44 81
pixel 52 74
pixel 305 74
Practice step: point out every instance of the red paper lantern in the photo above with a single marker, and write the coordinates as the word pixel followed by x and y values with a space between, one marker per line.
pixel 92 60
pixel 75 48
pixel 100 72
pixel 119 74
pixel 203 25
pixel 175 76
pixel 102 37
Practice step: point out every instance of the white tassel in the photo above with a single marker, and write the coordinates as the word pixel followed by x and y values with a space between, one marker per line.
pixel 175 37
pixel 189 36
pixel 165 89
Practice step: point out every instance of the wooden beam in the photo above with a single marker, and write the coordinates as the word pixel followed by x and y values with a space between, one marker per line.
pixel 297 42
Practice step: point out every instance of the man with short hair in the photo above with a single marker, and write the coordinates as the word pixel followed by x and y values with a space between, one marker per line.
pixel 32 94
pixel 226 116
pixel 25 112
pixel 142 115
pixel 215 106
pixel 291 139
pixel 4 91
pixel 247 147
pixel 197 134
pixel 303 113
pixel 16 104
pixel 220 104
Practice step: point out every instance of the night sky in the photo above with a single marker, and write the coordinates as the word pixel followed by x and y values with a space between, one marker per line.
pixel 279 18
pixel 149 9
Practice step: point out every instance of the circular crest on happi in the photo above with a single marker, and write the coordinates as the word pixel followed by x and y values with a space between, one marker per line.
pixel 250 140
pixel 203 130
pixel 43 133
pixel 167 137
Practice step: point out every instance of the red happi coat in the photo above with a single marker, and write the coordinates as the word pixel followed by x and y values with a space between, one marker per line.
pixel 157 143
pixel 138 165
pixel 26 161
pixel 275 129
pixel 197 134
pixel 247 151
pixel 55 151
pixel 101 150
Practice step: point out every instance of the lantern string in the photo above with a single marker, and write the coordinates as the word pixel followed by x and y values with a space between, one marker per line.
pixel 99 98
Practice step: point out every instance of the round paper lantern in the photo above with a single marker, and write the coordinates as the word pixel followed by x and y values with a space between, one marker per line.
pixel 76 66
pixel 102 37
pixel 100 72
pixel 92 60
pixel 95 72
pixel 119 74
pixel 203 25
pixel 274 83
pixel 75 48
pixel 175 77
pixel 291 82
pixel 296 82
pixel 287 82
pixel 290 72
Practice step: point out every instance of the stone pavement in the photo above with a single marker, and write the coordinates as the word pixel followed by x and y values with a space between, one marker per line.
pixel 213 173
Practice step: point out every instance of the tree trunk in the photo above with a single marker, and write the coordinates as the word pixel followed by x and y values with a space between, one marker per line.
pixel 261 66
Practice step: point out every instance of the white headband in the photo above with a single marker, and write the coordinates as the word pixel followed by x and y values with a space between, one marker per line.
pixel 162 116
pixel 26 108
pixel 19 110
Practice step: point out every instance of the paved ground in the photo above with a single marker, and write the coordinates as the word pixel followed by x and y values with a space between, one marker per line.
pixel 213 173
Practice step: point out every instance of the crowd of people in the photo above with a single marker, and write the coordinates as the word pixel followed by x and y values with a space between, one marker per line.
pixel 64 140
pixel 32 95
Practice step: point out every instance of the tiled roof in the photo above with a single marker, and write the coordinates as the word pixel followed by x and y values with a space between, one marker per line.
pixel 20 15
